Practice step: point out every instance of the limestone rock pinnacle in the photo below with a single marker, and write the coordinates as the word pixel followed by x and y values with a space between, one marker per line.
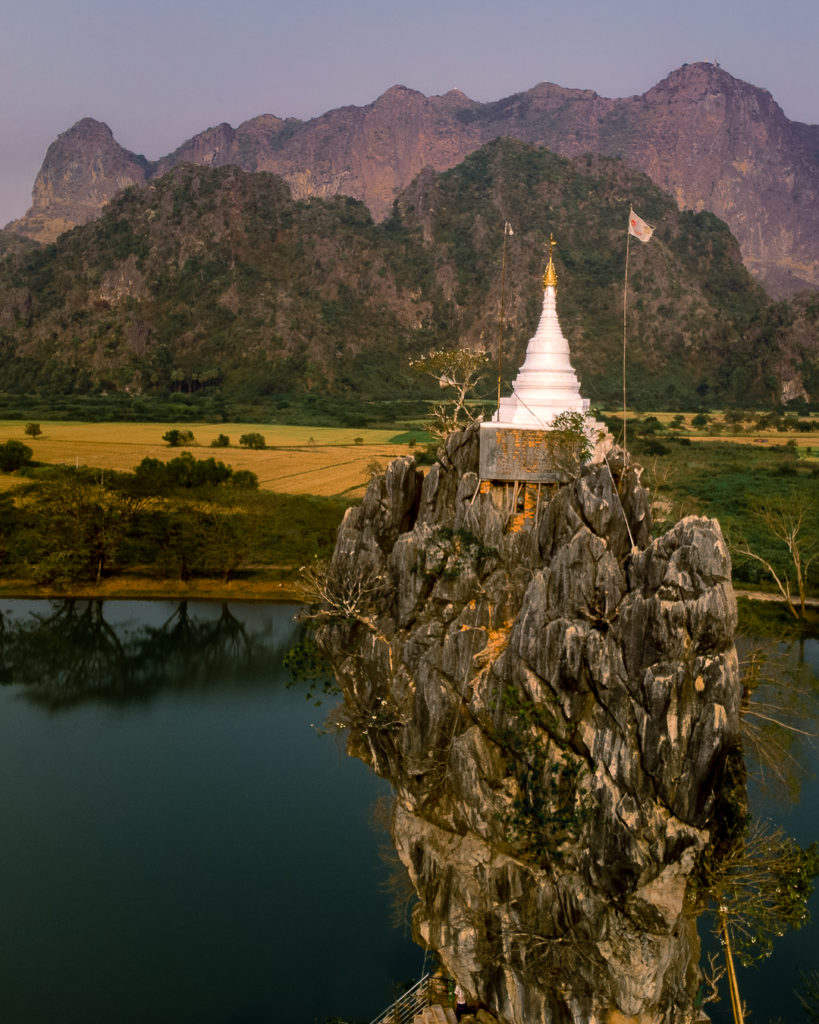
pixel 554 706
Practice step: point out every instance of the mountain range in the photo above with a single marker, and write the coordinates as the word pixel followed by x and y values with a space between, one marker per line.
pixel 221 282
pixel 712 141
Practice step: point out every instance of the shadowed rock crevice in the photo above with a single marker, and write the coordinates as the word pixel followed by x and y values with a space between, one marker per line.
pixel 553 706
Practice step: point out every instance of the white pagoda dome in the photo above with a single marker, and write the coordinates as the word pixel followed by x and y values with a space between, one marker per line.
pixel 518 443
pixel 546 384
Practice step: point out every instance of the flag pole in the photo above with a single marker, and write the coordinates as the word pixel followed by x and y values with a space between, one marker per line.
pixel 625 305
pixel 637 227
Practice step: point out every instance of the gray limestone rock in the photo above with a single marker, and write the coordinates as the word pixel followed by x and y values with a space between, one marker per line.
pixel 553 702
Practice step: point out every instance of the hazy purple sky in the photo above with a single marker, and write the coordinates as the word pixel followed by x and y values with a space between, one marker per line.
pixel 158 71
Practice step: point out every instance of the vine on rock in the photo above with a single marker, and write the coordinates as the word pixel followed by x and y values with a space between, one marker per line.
pixel 550 805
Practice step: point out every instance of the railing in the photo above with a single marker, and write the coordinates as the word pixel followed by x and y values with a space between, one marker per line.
pixel 404 1009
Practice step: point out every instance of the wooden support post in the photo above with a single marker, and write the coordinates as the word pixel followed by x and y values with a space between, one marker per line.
pixel 733 987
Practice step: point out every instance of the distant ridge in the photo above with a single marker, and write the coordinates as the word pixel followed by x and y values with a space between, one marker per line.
pixel 714 142
pixel 215 281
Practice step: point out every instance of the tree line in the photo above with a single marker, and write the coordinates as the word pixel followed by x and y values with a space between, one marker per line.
pixel 180 519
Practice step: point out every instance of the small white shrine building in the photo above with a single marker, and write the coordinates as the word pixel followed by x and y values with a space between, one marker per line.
pixel 520 442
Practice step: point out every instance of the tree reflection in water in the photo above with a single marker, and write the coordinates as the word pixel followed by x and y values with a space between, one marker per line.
pixel 72 653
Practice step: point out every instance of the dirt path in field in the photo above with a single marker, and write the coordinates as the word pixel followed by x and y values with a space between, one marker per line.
pixel 762 595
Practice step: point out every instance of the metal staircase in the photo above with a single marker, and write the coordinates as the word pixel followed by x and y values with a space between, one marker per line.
pixel 420 1004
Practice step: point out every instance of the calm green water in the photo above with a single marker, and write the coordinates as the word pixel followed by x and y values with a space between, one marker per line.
pixel 196 853
pixel 771 989
pixel 180 846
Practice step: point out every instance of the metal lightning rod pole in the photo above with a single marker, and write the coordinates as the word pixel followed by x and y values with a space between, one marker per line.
pixel 506 230
pixel 625 303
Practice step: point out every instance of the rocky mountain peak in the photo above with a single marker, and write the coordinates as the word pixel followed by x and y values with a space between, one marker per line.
pixel 213 147
pixel 83 169
pixel 707 83
pixel 456 96
pixel 399 92
pixel 711 140
pixel 720 144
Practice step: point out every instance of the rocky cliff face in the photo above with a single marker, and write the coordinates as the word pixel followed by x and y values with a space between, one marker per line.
pixel 552 695
pixel 722 145
pixel 372 152
pixel 84 168
pixel 714 142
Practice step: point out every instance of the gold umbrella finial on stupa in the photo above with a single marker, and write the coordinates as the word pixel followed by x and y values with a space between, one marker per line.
pixel 550 277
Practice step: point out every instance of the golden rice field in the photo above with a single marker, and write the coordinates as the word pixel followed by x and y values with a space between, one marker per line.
pixel 298 460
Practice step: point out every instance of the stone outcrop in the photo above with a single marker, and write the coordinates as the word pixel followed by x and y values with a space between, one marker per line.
pixel 718 144
pixel 84 168
pixel 714 142
pixel 553 705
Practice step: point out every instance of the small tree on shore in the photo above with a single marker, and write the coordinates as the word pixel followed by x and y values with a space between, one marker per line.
pixel 79 524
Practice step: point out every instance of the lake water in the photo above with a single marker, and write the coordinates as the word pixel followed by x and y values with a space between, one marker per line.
pixel 180 844
pixel 771 988
pixel 197 854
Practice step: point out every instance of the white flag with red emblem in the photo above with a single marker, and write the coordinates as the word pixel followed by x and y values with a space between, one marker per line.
pixel 638 227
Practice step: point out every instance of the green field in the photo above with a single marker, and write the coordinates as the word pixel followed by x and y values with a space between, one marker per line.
pixel 308 475
pixel 763 488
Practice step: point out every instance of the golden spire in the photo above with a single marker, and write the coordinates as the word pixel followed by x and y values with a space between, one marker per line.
pixel 550 277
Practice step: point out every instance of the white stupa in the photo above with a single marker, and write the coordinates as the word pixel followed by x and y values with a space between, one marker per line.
pixel 546 384
pixel 513 445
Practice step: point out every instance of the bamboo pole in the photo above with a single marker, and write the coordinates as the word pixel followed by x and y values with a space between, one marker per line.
pixel 733 987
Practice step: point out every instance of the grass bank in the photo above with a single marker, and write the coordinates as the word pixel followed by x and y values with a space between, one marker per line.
pixel 262 585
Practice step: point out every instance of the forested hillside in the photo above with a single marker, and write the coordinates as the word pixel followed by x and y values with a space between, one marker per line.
pixel 215 283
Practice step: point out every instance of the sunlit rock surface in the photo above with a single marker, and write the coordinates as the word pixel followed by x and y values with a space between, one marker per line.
pixel 553 705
